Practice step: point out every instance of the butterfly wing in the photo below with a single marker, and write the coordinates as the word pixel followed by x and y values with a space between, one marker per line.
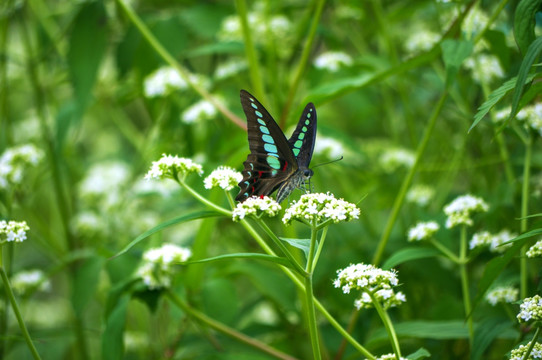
pixel 271 160
pixel 304 136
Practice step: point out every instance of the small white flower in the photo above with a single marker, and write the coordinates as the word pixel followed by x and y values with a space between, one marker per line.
pixel 14 161
pixel 535 250
pixel 320 207
pixel 530 309
pixel 167 79
pixel 169 166
pixel 502 294
pixel 329 146
pixel 157 268
pixel 256 206
pixel 484 68
pixel 423 231
pixel 230 68
pixel 475 21
pixel 420 41
pixel 390 356
pixel 104 180
pixel 498 241
pixel 532 115
pixel 519 352
pixel 202 110
pixel 391 159
pixel 420 195
pixel 332 61
pixel 12 231
pixel 459 210
pixel 224 177
pixel 28 280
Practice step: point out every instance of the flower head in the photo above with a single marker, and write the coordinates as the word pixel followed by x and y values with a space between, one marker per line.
pixel 461 208
pixel 494 241
pixel 167 79
pixel 502 294
pixel 535 250
pixel 14 161
pixel 157 268
pixel 375 285
pixel 256 206
pixel 230 68
pixel 519 353
pixel 320 207
pixel 390 356
pixel 422 231
pixel 530 309
pixel 201 110
pixel 25 281
pixel 422 40
pixel 392 159
pixel 223 177
pixel 13 231
pixel 329 146
pixel 532 115
pixel 484 68
pixel 420 195
pixel 169 166
pixel 332 60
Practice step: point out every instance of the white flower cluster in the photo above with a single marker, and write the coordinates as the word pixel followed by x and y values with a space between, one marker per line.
pixel 422 231
pixel 372 282
pixel 502 294
pixel 390 356
pixel 530 309
pixel 256 206
pixel 494 241
pixel 475 21
pixel 535 250
pixel 170 166
pixel 392 159
pixel 224 177
pixel 13 231
pixel 103 183
pixel 329 146
pixel 420 41
pixel 157 268
pixel 519 353
pixel 484 68
pixel 459 210
pixel 15 160
pixel 532 115
pixel 230 68
pixel 167 79
pixel 332 61
pixel 320 207
pixel 420 195
pixel 202 110
pixel 29 280
pixel 89 224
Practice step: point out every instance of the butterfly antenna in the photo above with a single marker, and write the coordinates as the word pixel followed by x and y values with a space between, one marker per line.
pixel 328 162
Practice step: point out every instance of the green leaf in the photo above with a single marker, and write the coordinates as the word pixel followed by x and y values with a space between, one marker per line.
pixel 88 44
pixel 454 52
pixel 86 282
pixel 495 97
pixel 180 219
pixel 220 300
pixel 435 330
pixel 303 244
pixel 525 22
pixel 274 259
pixel 409 254
pixel 489 330
pixel 113 335
pixel 339 86
pixel 421 353
pixel 223 48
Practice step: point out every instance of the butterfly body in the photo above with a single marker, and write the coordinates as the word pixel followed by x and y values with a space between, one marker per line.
pixel 274 162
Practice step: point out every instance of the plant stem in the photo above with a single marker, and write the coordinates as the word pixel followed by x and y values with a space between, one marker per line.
pixel 450 255
pixel 388 325
pixel 524 212
pixel 16 311
pixel 226 330
pixel 203 200
pixel 531 345
pixel 398 203
pixel 465 281
pixel 309 296
pixel 320 246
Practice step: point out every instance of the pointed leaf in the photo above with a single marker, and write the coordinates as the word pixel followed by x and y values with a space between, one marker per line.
pixel 525 22
pixel 113 335
pixel 421 353
pixel 86 283
pixel 454 52
pixel 274 259
pixel 489 330
pixel 409 254
pixel 302 244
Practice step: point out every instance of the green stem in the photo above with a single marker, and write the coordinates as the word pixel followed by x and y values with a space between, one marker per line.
pixel 531 345
pixel 450 255
pixel 388 325
pixel 17 312
pixel 169 59
pixel 398 203
pixel 465 281
pixel 309 295
pixel 320 247
pixel 226 330
pixel 203 200
pixel 524 212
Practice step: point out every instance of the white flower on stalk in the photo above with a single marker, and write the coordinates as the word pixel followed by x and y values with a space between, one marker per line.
pixel 484 68
pixel 475 21
pixel 391 159
pixel 12 231
pixel 520 352
pixel 420 194
pixel 503 114
pixel 158 265
pixel 167 79
pixel 532 115
pixel 256 206
pixel 320 207
pixel 230 68
pixel 460 210
pixel 169 166
pixel 535 250
pixel 104 181
pixel 224 177
pixel 502 294
pixel 27 280
pixel 372 282
pixel 329 146
pixel 493 241
pixel 332 61
pixel 420 41
pixel 423 231
pixel 15 160
pixel 530 309
pixel 202 110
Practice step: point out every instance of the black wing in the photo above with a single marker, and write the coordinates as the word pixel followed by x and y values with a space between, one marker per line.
pixel 271 161
pixel 304 136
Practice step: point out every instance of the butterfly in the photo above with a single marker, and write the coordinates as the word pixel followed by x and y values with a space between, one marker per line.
pixel 274 162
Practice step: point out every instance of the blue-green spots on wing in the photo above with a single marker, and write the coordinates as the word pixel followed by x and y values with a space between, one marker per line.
pixel 274 162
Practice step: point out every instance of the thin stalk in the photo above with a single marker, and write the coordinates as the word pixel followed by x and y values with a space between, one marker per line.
pixel 524 212
pixel 309 296
pixel 388 325
pixel 169 59
pixel 465 281
pixel 398 203
pixel 226 330
pixel 320 246
pixel 203 200
pixel 16 311
pixel 531 345
pixel 450 255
